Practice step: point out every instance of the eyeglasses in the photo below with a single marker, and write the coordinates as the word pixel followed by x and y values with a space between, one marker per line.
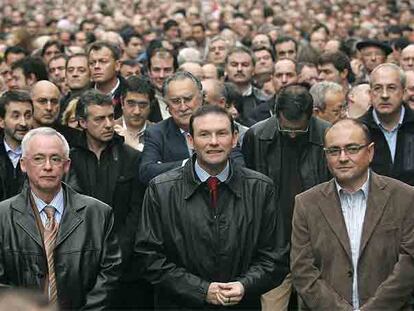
pixel 348 149
pixel 181 100
pixel 54 160
pixel 289 131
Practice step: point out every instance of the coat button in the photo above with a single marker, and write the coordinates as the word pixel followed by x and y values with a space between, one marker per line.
pixel 350 273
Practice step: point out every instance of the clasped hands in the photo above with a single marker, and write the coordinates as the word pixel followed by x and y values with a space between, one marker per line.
pixel 226 294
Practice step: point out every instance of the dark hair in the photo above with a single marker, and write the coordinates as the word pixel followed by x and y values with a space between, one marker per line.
pixel 127 36
pixel 294 101
pixel 357 123
pixel 32 65
pixel 233 96
pixel 241 49
pixel 140 85
pixel 89 98
pixel 16 49
pixel 302 65
pixel 284 39
pixel 339 60
pixel 318 27
pixel 13 96
pixel 199 25
pixel 169 24
pixel 181 75
pixel 265 48
pixel 86 21
pixel 130 62
pixel 98 45
pixel 210 109
pixel 50 43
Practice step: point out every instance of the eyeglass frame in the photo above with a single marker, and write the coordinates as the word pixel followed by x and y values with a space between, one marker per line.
pixel 329 151
pixel 286 131
pixel 54 160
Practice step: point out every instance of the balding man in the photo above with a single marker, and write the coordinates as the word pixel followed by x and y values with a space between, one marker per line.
pixel 45 96
pixel 194 68
pixel 407 58
pixel 359 100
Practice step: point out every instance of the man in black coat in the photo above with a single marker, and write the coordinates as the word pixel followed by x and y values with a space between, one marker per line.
pixel 83 262
pixel 106 168
pixel 16 117
pixel 209 230
pixel 391 124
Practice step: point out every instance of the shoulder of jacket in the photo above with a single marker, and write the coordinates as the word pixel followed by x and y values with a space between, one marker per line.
pixel 249 174
pixel 171 176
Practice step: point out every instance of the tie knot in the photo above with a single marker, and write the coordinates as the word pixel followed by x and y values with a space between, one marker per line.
pixel 50 211
pixel 212 183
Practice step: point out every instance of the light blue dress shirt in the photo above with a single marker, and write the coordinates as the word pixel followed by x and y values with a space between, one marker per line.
pixel 203 175
pixel 353 206
pixel 390 136
pixel 57 203
pixel 14 155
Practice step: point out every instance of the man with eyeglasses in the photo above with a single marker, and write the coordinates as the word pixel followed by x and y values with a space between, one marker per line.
pixel 353 237
pixel 391 123
pixel 166 146
pixel 54 239
pixel 288 147
pixel 104 167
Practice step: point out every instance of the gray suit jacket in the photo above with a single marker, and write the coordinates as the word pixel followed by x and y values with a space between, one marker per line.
pixel 321 257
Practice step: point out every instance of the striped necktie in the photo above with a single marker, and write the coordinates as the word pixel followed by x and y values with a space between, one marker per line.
pixel 49 236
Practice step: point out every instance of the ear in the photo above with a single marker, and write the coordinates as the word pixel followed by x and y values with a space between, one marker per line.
pixel 117 65
pixel 316 111
pixel 31 79
pixel 371 151
pixel 66 166
pixel 235 138
pixel 190 141
pixel 2 123
pixel 23 165
pixel 344 73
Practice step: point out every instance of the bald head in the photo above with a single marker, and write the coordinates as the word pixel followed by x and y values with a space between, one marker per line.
pixel 195 69
pixel 407 58
pixel 214 92
pixel 45 96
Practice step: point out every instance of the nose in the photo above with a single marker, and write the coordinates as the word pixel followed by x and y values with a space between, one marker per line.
pixel 49 106
pixel 48 165
pixel 411 62
pixel 22 120
pixel 284 79
pixel 343 156
pixel 108 122
pixel 373 57
pixel 213 140
pixel 239 67
pixel 162 73
pixel 384 93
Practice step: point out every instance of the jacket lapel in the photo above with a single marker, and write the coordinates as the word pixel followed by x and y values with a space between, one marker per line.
pixel 71 218
pixel 25 218
pixel 378 196
pixel 331 210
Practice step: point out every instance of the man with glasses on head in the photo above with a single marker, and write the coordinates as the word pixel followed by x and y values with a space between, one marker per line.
pixel 391 124
pixel 353 237
pixel 166 146
pixel 288 147
pixel 54 239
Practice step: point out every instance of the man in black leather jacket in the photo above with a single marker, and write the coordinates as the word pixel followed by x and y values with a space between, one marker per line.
pixel 201 252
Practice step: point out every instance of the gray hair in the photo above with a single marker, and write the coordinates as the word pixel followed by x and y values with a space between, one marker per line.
pixel 395 67
pixel 319 90
pixel 189 55
pixel 43 131
pixel 178 76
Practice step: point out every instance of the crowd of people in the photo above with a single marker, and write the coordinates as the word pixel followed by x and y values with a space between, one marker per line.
pixel 207 154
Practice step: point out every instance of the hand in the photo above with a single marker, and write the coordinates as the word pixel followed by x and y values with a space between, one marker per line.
pixel 230 293
pixel 212 293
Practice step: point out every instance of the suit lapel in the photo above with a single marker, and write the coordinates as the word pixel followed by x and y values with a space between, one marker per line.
pixel 71 218
pixel 25 218
pixel 378 196
pixel 176 140
pixel 331 210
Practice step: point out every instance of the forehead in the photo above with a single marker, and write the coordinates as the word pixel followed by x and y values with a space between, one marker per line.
pixel 284 65
pixel 285 45
pixel 262 53
pixel 164 60
pixel 370 49
pixel 78 61
pixel 344 133
pixel 137 96
pixel 326 66
pixel 47 91
pixel 218 43
pixel 178 87
pixel 102 52
pixel 211 122
pixel 240 56
pixel 385 75
pixel 45 144
pixel 334 95
pixel 409 78
pixel 52 48
pixel 57 62
pixel 15 105
pixel 408 51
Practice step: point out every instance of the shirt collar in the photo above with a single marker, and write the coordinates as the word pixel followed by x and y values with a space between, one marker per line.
pixel 378 122
pixel 17 151
pixel 111 93
pixel 203 175
pixel 57 202
pixel 248 91
pixel 140 132
pixel 364 188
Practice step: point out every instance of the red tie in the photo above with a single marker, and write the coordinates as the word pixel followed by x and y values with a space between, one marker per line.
pixel 212 183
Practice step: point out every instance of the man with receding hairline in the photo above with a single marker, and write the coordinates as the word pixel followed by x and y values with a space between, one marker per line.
pixel 353 237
